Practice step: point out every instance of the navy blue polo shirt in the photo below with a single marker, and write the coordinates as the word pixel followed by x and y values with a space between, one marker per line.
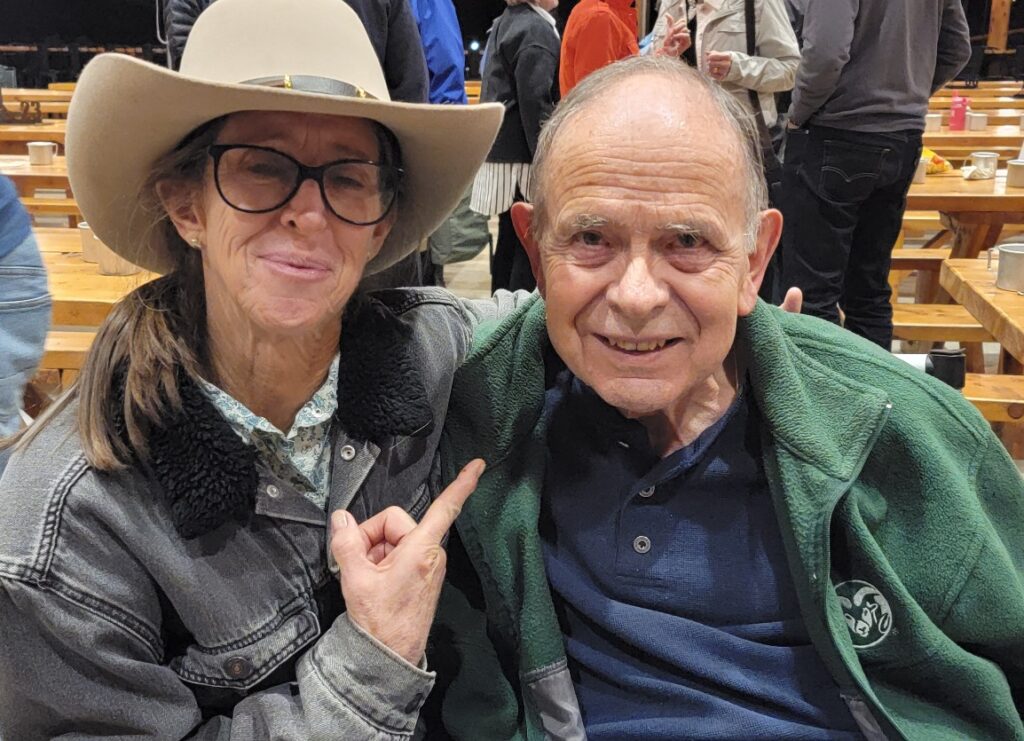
pixel 671 584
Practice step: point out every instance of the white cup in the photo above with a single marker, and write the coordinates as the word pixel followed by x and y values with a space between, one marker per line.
pixel 109 262
pixel 41 153
pixel 1015 174
pixel 922 170
pixel 89 241
pixel 933 122
pixel 986 164
pixel 977 121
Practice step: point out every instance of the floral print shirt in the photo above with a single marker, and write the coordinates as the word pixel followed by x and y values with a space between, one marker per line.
pixel 302 457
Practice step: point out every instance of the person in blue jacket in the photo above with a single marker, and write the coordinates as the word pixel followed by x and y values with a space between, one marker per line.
pixel 442 46
pixel 24 308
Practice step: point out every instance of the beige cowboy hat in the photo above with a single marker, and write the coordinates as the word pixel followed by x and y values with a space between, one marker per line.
pixel 308 56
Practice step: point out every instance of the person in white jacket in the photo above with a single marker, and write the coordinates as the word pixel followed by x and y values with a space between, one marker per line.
pixel 719 46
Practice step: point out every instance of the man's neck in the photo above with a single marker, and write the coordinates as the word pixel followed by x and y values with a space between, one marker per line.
pixel 272 375
pixel 677 427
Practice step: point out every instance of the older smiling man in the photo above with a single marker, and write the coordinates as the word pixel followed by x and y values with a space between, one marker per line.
pixel 703 517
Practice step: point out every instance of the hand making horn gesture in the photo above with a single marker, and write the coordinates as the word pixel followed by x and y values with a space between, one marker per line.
pixel 677 37
pixel 392 568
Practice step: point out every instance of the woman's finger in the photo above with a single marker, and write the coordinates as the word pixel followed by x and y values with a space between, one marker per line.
pixel 388 526
pixel 446 508
pixel 348 544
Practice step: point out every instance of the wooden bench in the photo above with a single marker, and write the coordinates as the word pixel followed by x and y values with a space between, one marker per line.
pixel 937 323
pixel 918 259
pixel 65 352
pixel 999 398
pixel 921 222
pixel 53 207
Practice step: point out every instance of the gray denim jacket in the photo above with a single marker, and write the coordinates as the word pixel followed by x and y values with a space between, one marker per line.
pixel 194 599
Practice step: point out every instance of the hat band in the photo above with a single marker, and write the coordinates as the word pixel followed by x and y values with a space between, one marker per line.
pixel 312 84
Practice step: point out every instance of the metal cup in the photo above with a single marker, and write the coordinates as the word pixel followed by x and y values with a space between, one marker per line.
pixel 1010 269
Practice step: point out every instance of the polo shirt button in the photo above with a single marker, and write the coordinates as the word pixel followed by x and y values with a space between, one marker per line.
pixel 238 667
pixel 347 452
pixel 647 493
pixel 273 492
pixel 641 544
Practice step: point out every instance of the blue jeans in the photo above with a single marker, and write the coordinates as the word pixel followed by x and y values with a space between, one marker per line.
pixel 24 322
pixel 843 196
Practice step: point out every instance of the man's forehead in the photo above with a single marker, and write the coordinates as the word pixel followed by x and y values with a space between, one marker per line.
pixel 649 123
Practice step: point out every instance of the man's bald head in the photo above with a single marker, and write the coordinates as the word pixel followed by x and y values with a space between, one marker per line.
pixel 710 110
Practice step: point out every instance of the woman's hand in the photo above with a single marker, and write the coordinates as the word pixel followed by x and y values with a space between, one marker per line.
pixel 677 37
pixel 392 569
pixel 718 64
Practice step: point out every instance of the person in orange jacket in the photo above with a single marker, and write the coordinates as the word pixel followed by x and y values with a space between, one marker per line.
pixel 600 32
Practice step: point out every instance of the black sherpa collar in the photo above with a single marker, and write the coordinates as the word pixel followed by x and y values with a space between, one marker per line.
pixel 208 475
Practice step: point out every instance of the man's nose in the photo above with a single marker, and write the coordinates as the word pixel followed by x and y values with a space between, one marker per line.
pixel 639 292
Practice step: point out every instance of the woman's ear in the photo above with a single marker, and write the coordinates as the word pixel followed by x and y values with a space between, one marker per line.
pixel 183 206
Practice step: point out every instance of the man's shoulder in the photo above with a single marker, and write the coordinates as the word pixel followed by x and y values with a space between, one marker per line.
pixel 915 396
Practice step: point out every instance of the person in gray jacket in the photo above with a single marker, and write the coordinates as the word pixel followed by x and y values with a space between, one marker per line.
pixel 249 428
pixel 853 144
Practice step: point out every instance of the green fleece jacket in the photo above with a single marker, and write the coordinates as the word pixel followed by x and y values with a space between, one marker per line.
pixel 902 516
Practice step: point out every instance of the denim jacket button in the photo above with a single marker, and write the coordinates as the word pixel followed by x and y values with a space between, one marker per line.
pixel 273 492
pixel 238 667
pixel 347 452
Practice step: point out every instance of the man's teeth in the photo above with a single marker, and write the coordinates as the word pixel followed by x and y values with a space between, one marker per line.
pixel 638 346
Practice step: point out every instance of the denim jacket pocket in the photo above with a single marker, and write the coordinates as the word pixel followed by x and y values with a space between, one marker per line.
pixel 850 172
pixel 244 663
pixel 24 320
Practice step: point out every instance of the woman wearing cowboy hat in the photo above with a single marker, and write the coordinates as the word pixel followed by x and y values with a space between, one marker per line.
pixel 168 567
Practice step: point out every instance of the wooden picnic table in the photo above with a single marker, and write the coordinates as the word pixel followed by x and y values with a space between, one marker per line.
pixel 992 136
pixel 973 286
pixel 988 91
pixel 31 93
pixel 975 212
pixel 13 137
pixel 81 296
pixel 940 103
pixel 27 177
pixel 996 116
pixel 59 240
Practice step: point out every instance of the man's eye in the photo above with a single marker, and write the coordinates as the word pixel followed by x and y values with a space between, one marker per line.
pixel 590 239
pixel 688 241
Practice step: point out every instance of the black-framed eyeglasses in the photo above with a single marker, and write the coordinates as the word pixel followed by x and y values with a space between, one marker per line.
pixel 257 180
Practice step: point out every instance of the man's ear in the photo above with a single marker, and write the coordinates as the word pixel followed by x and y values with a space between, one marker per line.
pixel 180 201
pixel 768 233
pixel 522 219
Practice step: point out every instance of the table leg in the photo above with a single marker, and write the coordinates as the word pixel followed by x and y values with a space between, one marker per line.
pixel 1011 433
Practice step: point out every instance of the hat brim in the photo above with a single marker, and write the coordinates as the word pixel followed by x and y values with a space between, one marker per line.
pixel 126 113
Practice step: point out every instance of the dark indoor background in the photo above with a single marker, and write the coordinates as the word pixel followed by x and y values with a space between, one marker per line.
pixel 133 22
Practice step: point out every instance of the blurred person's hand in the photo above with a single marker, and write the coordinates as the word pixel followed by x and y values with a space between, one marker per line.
pixel 718 64
pixel 677 37
pixel 794 301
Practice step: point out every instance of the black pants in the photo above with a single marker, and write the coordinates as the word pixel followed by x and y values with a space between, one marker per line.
pixel 843 197
pixel 510 267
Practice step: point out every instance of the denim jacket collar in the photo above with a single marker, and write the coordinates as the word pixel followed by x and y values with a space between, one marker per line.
pixel 209 475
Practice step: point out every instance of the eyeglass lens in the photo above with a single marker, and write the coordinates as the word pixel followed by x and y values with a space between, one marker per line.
pixel 258 179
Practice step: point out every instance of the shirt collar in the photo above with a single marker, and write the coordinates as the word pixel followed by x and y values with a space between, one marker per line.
pixel 546 16
pixel 319 409
pixel 715 5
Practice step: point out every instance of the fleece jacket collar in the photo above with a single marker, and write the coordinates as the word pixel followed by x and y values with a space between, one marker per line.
pixel 208 475
pixel 822 420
